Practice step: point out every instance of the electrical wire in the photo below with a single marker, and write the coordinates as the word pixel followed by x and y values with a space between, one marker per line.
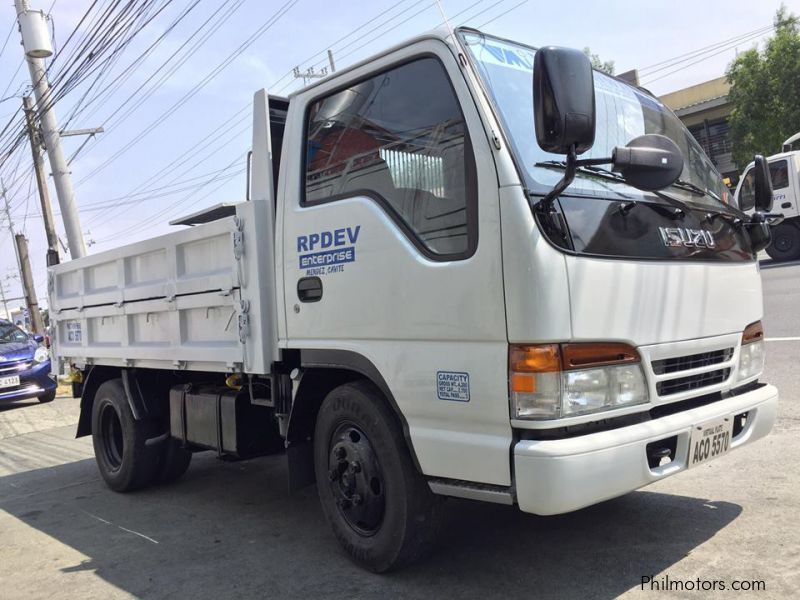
pixel 274 18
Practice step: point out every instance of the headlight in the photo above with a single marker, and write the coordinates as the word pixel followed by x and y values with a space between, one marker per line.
pixel 552 381
pixel 751 354
pixel 41 354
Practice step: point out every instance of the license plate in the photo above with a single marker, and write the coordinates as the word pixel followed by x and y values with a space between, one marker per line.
pixel 11 381
pixel 710 440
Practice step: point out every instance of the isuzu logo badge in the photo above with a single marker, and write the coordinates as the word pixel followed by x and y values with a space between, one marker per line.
pixel 688 238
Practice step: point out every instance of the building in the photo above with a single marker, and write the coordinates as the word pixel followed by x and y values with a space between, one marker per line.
pixel 705 110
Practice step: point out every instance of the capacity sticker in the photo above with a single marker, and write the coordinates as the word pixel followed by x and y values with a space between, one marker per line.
pixel 452 385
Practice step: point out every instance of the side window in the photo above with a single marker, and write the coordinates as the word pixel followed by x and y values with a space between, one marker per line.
pixel 399 137
pixel 779 172
pixel 747 191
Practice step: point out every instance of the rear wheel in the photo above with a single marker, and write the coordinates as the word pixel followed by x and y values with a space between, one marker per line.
pixel 125 461
pixel 174 461
pixel 379 506
pixel 785 243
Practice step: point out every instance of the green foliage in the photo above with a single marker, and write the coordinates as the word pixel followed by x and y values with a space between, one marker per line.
pixel 765 92
pixel 597 63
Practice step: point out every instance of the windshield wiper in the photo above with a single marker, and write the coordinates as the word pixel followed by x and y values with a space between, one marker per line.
pixel 680 211
pixel 691 187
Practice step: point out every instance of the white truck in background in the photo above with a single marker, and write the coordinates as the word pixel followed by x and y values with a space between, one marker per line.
pixel 785 174
pixel 436 289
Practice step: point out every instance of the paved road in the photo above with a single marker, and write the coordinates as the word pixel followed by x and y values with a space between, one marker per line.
pixel 229 529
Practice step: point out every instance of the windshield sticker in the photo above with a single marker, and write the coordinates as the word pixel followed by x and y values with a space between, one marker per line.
pixel 452 385
pixel 506 56
pixel 327 252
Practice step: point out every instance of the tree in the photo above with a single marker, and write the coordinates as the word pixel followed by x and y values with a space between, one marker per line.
pixel 765 92
pixel 597 63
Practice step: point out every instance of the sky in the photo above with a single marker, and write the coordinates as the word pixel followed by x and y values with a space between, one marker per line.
pixel 170 155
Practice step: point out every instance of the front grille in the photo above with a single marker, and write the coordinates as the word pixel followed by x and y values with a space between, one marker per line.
pixel 694 361
pixel 14 366
pixel 691 382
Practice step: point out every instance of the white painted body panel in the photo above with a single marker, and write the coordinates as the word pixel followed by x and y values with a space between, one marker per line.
pixel 786 200
pixel 170 302
pixel 412 316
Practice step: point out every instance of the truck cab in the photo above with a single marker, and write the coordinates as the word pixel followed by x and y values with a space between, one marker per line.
pixel 785 173
pixel 435 289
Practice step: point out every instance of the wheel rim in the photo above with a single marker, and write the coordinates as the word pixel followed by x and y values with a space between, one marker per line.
pixel 783 243
pixel 111 430
pixel 356 481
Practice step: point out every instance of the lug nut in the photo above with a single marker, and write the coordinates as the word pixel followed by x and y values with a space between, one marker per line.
pixel 355 466
pixel 357 499
pixel 344 503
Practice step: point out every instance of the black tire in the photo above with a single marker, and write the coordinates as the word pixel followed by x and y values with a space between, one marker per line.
pixel 174 461
pixel 125 461
pixel 785 243
pixel 379 506
pixel 48 397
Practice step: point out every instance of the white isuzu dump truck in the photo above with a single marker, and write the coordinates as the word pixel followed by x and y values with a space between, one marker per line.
pixel 784 171
pixel 435 288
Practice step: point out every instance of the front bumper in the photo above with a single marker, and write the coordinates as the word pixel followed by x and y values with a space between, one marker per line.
pixel 558 476
pixel 34 381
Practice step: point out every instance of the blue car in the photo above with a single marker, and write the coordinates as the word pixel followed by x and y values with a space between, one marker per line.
pixel 24 366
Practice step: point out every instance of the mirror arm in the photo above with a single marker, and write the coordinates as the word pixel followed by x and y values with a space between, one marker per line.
pixel 771 219
pixel 594 161
pixel 569 175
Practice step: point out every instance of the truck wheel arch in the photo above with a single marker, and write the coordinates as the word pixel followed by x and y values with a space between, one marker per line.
pixel 96 377
pixel 323 371
pixel 132 385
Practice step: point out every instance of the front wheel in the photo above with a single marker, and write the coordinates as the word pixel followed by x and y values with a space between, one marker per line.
pixel 47 397
pixel 379 506
pixel 785 243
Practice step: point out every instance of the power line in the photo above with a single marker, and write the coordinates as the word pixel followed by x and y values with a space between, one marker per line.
pixel 702 58
pixel 701 50
pixel 196 88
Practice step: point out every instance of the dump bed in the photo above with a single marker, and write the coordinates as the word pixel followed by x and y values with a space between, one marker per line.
pixel 199 299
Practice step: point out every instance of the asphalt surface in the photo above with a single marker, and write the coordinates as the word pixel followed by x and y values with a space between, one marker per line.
pixel 229 529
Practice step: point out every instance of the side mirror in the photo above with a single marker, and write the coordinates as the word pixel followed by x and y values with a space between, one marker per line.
pixel 649 162
pixel 563 100
pixel 762 184
pixel 38 338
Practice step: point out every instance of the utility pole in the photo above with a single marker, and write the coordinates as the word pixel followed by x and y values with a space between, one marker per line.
pixel 41 184
pixel 5 304
pixel 27 284
pixel 24 263
pixel 36 43
pixel 330 60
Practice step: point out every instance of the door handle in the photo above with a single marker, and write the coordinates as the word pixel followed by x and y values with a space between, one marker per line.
pixel 309 289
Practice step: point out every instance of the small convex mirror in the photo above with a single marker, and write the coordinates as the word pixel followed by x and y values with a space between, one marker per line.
pixel 649 162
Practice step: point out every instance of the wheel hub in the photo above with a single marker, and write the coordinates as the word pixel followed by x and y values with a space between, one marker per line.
pixel 783 243
pixel 355 479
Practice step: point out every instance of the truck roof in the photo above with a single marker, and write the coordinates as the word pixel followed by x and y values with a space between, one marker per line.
pixel 441 34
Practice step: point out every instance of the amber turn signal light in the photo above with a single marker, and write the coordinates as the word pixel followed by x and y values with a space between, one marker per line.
pixel 753 333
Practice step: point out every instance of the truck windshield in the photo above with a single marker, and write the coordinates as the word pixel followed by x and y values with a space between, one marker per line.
pixel 623 113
